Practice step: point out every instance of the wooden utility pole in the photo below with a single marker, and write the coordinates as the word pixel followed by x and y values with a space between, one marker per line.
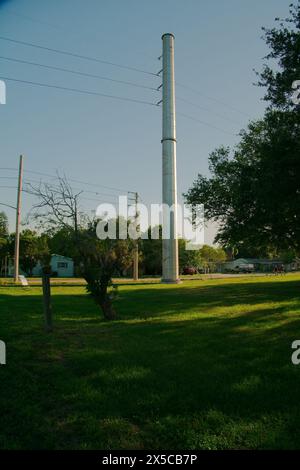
pixel 18 221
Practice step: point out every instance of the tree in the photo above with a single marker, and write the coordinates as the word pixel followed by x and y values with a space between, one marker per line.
pixel 33 248
pixel 211 257
pixel 57 206
pixel 61 241
pixel 284 44
pixel 151 250
pixel 4 240
pixel 288 256
pixel 254 190
pixel 188 258
pixel 98 260
pixel 254 193
pixel 3 225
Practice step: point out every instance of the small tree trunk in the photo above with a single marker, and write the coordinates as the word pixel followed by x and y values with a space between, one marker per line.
pixel 47 302
pixel 97 287
pixel 108 310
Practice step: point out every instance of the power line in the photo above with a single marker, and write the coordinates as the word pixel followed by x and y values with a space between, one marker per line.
pixel 207 124
pixel 7 205
pixel 95 200
pixel 205 109
pixel 8 177
pixel 223 103
pixel 34 20
pixel 79 56
pixel 76 90
pixel 72 180
pixel 56 191
pixel 77 72
pixel 97 185
pixel 55 187
pixel 60 28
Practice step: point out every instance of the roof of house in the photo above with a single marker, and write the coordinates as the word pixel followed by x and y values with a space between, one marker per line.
pixel 263 261
pixel 258 260
pixel 61 256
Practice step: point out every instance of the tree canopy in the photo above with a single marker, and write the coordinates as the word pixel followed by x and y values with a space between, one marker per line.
pixel 3 225
pixel 254 189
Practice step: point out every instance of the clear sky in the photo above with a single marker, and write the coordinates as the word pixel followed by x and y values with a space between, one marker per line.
pixel 114 143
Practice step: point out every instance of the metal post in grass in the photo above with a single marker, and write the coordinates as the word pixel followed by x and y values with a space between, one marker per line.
pixel 47 300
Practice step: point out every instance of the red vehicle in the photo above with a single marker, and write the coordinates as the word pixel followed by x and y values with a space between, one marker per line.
pixel 189 270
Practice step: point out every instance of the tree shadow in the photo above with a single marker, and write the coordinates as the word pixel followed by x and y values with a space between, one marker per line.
pixel 203 367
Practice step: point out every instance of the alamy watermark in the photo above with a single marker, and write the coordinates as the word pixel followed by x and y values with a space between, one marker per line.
pixel 296 354
pixel 296 93
pixel 2 353
pixel 124 221
pixel 2 92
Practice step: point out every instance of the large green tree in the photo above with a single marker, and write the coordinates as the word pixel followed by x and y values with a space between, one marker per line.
pixel 62 242
pixel 254 190
pixel 282 64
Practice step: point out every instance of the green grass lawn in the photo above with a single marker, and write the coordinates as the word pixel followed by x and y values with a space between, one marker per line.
pixel 202 365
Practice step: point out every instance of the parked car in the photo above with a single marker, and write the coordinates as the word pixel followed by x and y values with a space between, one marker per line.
pixel 244 269
pixel 190 270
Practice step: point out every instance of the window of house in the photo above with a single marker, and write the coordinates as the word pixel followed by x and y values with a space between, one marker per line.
pixel 62 265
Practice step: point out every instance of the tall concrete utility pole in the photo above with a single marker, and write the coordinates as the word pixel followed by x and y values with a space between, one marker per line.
pixel 18 221
pixel 170 270
pixel 136 247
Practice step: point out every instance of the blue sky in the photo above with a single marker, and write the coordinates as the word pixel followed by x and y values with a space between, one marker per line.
pixel 114 143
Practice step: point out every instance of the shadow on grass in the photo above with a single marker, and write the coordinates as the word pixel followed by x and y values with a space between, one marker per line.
pixel 188 374
pixel 176 299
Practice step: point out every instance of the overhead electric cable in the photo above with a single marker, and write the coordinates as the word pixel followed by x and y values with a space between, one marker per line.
pixel 79 56
pixel 207 124
pixel 77 90
pixel 77 72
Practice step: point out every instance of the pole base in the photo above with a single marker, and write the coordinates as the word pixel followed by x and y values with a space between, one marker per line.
pixel 171 281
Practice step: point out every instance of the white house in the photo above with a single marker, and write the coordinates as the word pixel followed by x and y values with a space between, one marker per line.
pixel 62 266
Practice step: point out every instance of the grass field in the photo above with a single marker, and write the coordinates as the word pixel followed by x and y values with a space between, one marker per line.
pixel 203 365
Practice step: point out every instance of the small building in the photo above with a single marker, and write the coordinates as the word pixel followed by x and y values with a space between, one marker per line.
pixel 61 266
pixel 294 265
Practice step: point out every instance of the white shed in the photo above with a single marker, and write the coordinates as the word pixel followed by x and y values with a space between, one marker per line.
pixel 62 265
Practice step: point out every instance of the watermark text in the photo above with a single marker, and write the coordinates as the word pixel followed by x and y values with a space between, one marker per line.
pixel 2 353
pixel 124 221
pixel 2 92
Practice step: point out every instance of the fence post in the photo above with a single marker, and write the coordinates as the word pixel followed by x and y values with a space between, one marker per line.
pixel 47 302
